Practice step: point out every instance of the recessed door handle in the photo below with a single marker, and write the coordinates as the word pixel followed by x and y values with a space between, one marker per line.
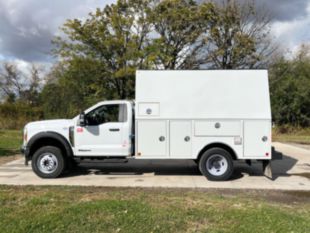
pixel 114 129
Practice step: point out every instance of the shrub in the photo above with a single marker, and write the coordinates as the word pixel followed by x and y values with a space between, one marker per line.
pixel 16 115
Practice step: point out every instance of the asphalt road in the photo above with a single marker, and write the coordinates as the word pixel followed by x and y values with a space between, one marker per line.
pixel 291 173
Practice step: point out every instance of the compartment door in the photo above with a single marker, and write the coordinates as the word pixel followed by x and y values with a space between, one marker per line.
pixel 257 138
pixel 152 139
pixel 180 139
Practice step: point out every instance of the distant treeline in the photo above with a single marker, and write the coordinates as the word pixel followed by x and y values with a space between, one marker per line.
pixel 15 115
pixel 98 58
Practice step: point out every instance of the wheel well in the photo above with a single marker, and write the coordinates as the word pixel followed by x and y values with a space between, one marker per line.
pixel 219 145
pixel 47 142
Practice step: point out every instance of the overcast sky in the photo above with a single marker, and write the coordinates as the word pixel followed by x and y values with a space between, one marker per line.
pixel 27 26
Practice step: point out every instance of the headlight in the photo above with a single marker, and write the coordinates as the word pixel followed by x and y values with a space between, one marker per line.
pixel 25 136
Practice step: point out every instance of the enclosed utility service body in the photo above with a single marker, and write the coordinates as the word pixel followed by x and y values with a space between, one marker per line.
pixel 212 117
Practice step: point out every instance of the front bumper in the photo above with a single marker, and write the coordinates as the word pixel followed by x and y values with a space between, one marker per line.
pixel 22 150
pixel 25 151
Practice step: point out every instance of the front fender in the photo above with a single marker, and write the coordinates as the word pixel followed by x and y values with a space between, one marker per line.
pixel 44 138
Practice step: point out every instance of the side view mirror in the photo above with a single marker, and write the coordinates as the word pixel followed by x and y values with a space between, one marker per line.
pixel 82 121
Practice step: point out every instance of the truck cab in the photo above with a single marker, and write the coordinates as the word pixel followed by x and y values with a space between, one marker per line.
pixel 104 130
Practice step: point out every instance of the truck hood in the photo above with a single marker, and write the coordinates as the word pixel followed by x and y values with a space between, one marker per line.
pixel 53 125
pixel 57 126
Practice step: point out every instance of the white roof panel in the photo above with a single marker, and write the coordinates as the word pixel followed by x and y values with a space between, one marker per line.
pixel 205 94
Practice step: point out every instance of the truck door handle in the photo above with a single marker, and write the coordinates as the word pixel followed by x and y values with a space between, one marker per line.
pixel 114 129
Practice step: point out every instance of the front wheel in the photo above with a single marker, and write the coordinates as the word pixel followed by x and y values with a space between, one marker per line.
pixel 48 162
pixel 216 164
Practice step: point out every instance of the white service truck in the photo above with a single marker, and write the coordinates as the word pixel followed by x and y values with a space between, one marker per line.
pixel 212 117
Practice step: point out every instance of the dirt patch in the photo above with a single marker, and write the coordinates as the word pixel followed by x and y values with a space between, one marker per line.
pixel 278 196
pixel 285 197
pixel 6 159
pixel 160 195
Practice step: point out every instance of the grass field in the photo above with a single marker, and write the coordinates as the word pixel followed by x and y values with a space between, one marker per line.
pixel 10 142
pixel 301 136
pixel 89 209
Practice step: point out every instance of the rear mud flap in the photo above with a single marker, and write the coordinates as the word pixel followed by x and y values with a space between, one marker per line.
pixel 276 155
pixel 267 169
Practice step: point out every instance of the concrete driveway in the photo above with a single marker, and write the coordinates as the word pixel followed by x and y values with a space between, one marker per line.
pixel 291 173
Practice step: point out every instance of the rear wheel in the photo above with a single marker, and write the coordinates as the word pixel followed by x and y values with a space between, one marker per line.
pixel 48 162
pixel 216 164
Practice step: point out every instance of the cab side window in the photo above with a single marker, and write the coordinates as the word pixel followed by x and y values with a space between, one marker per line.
pixel 107 114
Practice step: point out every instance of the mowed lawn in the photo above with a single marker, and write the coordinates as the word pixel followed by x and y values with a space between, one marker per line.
pixel 90 209
pixel 292 138
pixel 10 142
pixel 301 136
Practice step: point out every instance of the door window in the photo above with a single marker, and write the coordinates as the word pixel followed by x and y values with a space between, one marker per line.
pixel 106 114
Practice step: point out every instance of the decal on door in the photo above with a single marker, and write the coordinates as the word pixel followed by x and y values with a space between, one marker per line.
pixel 124 144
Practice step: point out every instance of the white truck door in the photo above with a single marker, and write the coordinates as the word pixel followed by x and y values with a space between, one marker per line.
pixel 257 139
pixel 180 139
pixel 152 139
pixel 106 132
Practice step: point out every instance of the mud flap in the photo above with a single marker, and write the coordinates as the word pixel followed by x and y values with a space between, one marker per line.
pixel 267 168
pixel 26 161
pixel 25 152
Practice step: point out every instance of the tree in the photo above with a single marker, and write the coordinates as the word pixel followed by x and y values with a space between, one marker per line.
pixel 79 83
pixel 11 83
pixel 30 94
pixel 113 40
pixel 239 39
pixel 100 55
pixel 21 96
pixel 179 27
pixel 17 85
pixel 289 87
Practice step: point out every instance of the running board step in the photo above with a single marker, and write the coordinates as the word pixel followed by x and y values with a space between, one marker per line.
pixel 102 160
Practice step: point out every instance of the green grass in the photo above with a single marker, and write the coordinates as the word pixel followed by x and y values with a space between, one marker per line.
pixel 293 135
pixel 10 142
pixel 89 209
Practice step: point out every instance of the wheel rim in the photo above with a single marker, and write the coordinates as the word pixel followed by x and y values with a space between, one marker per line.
pixel 217 165
pixel 47 163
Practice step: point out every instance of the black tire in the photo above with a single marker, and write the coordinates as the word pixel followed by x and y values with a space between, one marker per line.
pixel 220 161
pixel 46 157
